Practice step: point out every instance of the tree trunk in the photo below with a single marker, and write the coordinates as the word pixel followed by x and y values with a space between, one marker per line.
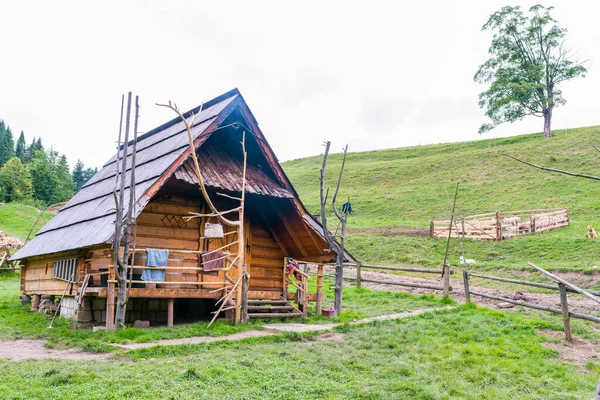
pixel 547 123
pixel 121 302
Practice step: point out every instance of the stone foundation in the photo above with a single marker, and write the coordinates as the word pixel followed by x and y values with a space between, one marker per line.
pixel 93 310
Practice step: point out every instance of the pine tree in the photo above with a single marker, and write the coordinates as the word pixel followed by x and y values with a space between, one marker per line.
pixel 88 174
pixel 42 176
pixel 15 181
pixel 21 147
pixel 78 174
pixel 65 187
pixel 7 149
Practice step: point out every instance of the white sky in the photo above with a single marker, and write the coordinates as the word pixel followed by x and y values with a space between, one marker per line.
pixel 371 74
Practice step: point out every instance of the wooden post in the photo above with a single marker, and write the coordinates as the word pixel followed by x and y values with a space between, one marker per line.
pixel 305 298
pixel 532 224
pixel 597 394
pixel 319 289
pixel 35 304
pixel 358 274
pixel 498 226
pixel 110 299
pixel 462 223
pixel 565 312
pixel 466 281
pixel 285 284
pixel 446 280
pixel 170 312
pixel 431 228
pixel 244 299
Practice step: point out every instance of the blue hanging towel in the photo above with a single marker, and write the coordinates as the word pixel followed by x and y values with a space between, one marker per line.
pixel 155 258
pixel 347 208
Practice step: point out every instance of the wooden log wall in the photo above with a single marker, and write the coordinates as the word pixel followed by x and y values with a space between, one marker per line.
pixel 266 267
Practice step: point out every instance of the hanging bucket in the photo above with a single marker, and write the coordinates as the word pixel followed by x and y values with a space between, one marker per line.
pixel 213 231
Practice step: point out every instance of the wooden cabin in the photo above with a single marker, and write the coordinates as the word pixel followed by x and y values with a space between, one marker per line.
pixel 71 256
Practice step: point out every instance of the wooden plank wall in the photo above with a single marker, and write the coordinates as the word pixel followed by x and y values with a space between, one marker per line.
pixel 37 279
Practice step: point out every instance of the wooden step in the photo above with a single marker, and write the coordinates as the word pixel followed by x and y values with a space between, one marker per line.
pixel 271 308
pixel 267 301
pixel 275 315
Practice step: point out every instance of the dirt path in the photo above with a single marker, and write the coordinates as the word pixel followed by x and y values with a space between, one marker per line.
pixel 271 329
pixel 18 350
pixel 577 302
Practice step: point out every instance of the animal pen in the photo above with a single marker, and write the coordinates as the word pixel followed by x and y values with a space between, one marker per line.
pixel 207 268
pixel 501 225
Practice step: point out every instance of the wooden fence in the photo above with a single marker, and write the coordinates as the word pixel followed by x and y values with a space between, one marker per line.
pixel 560 285
pixel 501 224
pixel 359 279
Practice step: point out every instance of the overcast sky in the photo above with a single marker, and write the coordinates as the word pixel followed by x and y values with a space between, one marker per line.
pixel 371 74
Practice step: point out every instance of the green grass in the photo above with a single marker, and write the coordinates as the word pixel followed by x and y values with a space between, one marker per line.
pixel 465 353
pixel 17 322
pixel 407 187
pixel 18 220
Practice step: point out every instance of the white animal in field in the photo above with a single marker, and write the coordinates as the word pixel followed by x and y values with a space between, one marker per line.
pixel 468 261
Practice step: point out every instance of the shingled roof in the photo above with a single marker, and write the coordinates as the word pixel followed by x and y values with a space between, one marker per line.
pixel 88 218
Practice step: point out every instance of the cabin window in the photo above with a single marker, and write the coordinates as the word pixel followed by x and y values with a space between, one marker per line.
pixel 65 269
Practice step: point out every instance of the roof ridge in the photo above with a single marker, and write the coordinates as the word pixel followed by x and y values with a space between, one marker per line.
pixel 186 115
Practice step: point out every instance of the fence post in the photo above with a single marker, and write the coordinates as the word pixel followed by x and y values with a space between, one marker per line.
pixel 358 274
pixel 446 280
pixel 466 281
pixel 319 289
pixel 462 223
pixel 431 228
pixel 498 226
pixel 565 312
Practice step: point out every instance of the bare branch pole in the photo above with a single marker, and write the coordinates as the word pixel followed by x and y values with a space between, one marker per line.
pixel 560 171
pixel 122 238
pixel 337 248
pixel 131 220
pixel 239 224
pixel 445 268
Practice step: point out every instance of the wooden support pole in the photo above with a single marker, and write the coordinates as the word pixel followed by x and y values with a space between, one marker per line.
pixel 285 284
pixel 244 299
pixel 597 394
pixel 466 282
pixel 170 312
pixel 110 301
pixel 564 307
pixel 305 297
pixel 358 274
pixel 319 304
pixel 35 304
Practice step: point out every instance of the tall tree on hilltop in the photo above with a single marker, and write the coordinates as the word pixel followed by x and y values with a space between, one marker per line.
pixel 15 181
pixel 7 144
pixel 528 61
pixel 65 187
pixel 21 149
pixel 81 174
pixel 78 174
pixel 42 176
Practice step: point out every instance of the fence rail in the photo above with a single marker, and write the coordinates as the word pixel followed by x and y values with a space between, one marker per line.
pixel 562 286
pixel 501 224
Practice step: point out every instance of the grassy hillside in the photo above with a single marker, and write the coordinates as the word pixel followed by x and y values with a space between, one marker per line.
pixel 406 187
pixel 18 219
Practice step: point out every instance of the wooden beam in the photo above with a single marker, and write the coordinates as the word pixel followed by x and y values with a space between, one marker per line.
pixel 288 227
